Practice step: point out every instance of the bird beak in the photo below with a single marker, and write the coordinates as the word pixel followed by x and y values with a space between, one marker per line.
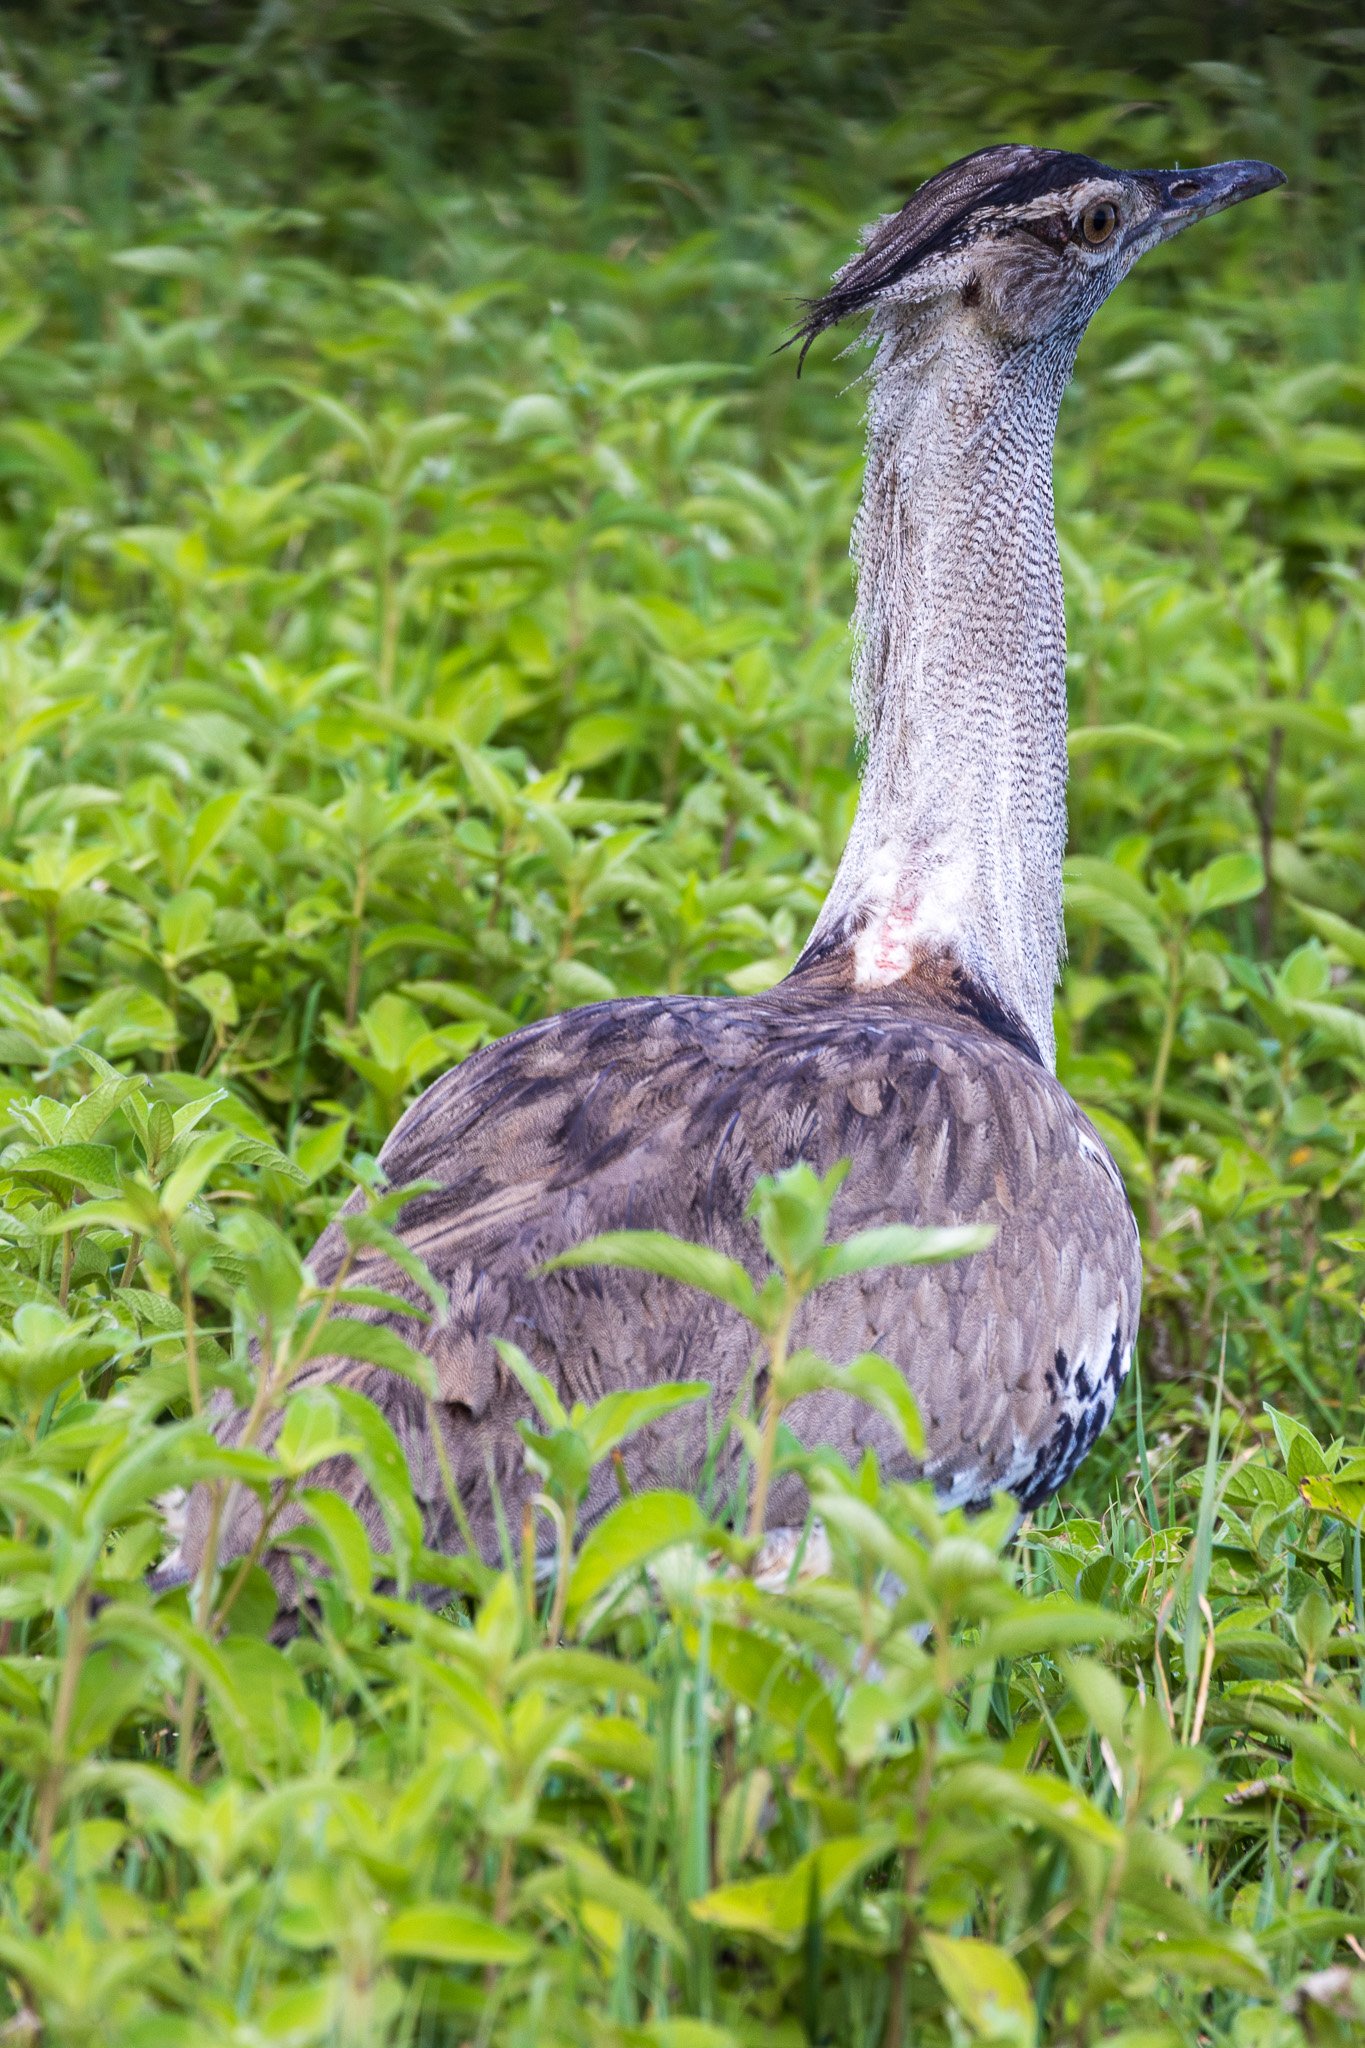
pixel 1183 197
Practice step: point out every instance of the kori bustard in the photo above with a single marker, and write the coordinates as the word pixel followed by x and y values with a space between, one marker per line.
pixel 914 1035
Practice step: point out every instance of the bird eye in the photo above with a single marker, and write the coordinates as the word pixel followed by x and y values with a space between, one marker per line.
pixel 1099 221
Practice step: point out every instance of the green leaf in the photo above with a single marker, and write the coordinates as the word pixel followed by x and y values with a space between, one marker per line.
pixel 793 1211
pixel 533 1383
pixel 1343 1499
pixel 312 1432
pixel 438 1933
pixel 1232 878
pixel 375 1344
pixel 380 1457
pixel 92 1168
pixel 897 1244
pixel 216 817
pixel 1094 739
pixel 617 1416
pixel 1101 1697
pixel 654 1251
pixel 47 1349
pixel 200 1162
pixel 1348 939
pixel 1054 1624
pixel 591 1877
pixel 871 1379
pixel 1229 1960
pixel 344 1539
pixel 1340 1030
pixel 779 1907
pixel 770 1678
pixel 86 1117
pixel 635 1531
pixel 561 1459
pixel 986 1986
pixel 160 259
pixel 1101 893
pixel 318 1151
pixel 1036 1799
pixel 214 992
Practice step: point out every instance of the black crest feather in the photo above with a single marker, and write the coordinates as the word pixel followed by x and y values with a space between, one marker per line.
pixel 1008 174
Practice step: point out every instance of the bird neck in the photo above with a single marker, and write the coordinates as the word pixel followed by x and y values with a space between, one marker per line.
pixel 954 862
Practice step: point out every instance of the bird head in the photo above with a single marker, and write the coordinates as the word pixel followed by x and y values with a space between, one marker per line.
pixel 1027 243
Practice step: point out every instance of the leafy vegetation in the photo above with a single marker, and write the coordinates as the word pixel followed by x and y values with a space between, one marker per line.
pixel 427 603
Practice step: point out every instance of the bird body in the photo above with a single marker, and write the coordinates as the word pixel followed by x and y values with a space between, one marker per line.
pixel 660 1113
pixel 914 1036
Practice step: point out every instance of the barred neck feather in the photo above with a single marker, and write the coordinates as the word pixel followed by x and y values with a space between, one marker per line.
pixel 955 856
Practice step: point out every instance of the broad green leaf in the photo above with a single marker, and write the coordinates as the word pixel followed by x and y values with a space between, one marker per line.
pixel 779 1908
pixel 617 1416
pixel 343 1535
pixel 593 1878
pixel 793 1212
pixel 986 1986
pixel 47 1349
pixel 202 1160
pixel 375 1344
pixel 380 1457
pixel 1099 893
pixel 1094 739
pixel 161 259
pixel 1341 1030
pixel 1101 1696
pixel 653 1251
pixel 1348 938
pixel 138 1627
pixel 440 1933
pixel 92 1168
pixel 1229 879
pixel 561 1458
pixel 312 1432
pixel 871 1378
pixel 1033 1797
pixel 216 818
pixel 896 1244
pixel 1229 1960
pixel 86 1117
pixel 634 1532
pixel 769 1677
pixel 1054 1624
pixel 533 1383
pixel 586 1670
pixel 1343 1499
pixel 214 992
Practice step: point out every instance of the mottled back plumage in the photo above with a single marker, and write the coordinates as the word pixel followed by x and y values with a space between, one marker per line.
pixel 688 1101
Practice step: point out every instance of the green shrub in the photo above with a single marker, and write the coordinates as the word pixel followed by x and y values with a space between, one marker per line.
pixel 427 609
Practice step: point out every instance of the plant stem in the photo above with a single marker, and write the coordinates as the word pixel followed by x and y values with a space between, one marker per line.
pixel 772 1413
pixel 561 1599
pixel 182 1274
pixel 77 1629
pixel 1163 1061
pixel 896 2013
pixel 354 961
pixel 448 1486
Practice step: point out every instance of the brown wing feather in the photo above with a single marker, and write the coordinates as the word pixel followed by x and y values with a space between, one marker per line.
pixel 660 1114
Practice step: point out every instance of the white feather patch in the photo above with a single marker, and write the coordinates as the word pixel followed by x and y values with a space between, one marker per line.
pixel 905 915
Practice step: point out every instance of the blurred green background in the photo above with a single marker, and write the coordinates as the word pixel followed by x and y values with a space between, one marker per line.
pixel 426 597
